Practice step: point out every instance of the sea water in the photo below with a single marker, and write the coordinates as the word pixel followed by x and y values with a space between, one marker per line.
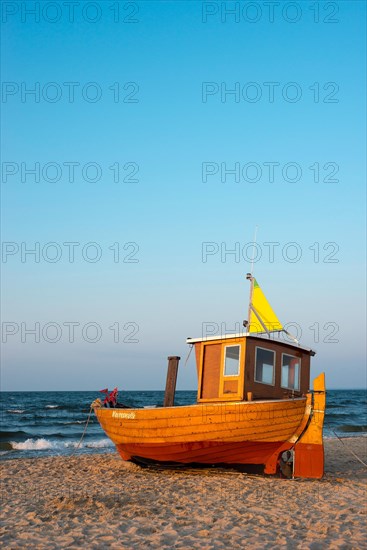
pixel 37 424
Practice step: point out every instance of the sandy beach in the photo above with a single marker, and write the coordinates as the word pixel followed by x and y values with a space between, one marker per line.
pixel 92 501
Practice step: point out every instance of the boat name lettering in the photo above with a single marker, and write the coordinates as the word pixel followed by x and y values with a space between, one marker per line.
pixel 116 414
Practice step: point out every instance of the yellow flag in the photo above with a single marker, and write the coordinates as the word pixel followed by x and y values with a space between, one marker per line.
pixel 264 311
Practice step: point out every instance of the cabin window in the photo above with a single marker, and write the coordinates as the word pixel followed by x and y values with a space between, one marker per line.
pixel 232 361
pixel 264 366
pixel 291 367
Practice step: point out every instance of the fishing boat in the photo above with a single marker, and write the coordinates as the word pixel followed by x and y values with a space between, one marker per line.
pixel 254 404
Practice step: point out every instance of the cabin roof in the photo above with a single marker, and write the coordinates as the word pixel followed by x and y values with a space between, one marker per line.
pixel 248 335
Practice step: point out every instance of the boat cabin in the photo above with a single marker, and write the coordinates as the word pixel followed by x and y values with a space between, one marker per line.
pixel 247 367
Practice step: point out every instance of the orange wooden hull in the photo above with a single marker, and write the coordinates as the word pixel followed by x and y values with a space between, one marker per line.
pixel 231 433
pixel 204 452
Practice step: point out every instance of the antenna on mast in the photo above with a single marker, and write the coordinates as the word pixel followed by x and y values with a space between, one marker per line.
pixel 266 318
pixel 249 276
pixel 253 253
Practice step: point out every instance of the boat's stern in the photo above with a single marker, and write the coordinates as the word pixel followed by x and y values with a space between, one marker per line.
pixel 309 449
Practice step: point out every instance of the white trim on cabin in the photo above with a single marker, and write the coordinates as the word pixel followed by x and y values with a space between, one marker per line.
pixel 243 335
pixel 221 337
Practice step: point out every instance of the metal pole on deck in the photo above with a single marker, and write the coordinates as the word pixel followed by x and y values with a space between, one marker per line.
pixel 251 279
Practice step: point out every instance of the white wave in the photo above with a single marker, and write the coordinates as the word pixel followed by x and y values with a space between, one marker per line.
pixel 43 444
pixel 92 444
pixel 51 406
pixel 33 445
pixel 99 444
pixel 16 411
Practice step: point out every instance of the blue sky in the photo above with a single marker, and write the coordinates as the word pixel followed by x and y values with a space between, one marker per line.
pixel 164 127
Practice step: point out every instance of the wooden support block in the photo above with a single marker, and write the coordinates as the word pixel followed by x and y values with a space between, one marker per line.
pixel 169 395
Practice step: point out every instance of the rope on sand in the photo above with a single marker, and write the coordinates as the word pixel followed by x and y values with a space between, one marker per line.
pixel 85 429
pixel 350 450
